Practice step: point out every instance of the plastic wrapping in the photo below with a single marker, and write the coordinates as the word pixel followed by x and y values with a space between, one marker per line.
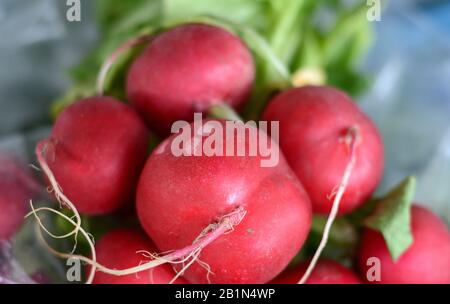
pixel 410 99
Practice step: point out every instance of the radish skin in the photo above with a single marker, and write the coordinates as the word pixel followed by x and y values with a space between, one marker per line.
pixel 179 196
pixel 313 120
pixel 123 248
pixel 326 272
pixel 96 151
pixel 17 187
pixel 187 69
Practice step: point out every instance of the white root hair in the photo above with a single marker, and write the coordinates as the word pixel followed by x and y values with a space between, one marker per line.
pixel 351 139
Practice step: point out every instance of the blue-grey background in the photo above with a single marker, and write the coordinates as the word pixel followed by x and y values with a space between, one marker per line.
pixel 409 98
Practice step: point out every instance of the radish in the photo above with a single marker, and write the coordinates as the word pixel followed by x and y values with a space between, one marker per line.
pixel 124 248
pixel 187 69
pixel 313 123
pixel 427 261
pixel 326 272
pixel 95 153
pixel 267 211
pixel 16 188
pixel 335 150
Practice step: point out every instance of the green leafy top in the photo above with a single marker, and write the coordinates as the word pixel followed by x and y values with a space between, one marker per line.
pixel 392 217
pixel 286 36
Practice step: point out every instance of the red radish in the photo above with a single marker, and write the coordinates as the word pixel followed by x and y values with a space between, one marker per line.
pixel 179 196
pixel 325 272
pixel 16 188
pixel 96 152
pixel 187 69
pixel 313 123
pixel 122 248
pixel 427 261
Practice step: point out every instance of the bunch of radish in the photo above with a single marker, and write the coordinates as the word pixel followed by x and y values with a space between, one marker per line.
pixel 223 219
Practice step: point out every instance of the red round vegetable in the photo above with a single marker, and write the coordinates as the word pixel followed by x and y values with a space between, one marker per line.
pixel 119 249
pixel 179 196
pixel 96 151
pixel 427 261
pixel 326 272
pixel 313 123
pixel 16 189
pixel 187 69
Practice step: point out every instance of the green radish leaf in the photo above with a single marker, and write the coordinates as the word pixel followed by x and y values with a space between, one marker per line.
pixel 392 217
pixel 360 42
pixel 358 216
pixel 342 242
pixel 119 21
pixel 346 78
pixel 147 13
pixel 115 80
pixel 310 53
pixel 342 232
pixel 87 70
pixel 286 31
pixel 337 41
pixel 258 44
pixel 117 15
pixel 249 12
pixel 265 59
pixel 205 19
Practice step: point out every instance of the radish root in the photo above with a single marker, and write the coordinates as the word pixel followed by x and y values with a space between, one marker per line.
pixel 351 139
pixel 190 253
pixel 106 67
pixel 41 150
pixel 41 227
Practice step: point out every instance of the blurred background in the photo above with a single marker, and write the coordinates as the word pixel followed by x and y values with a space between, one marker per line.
pixel 407 92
